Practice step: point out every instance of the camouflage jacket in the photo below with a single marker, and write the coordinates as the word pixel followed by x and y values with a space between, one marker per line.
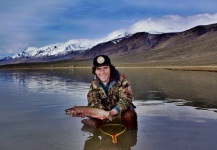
pixel 119 94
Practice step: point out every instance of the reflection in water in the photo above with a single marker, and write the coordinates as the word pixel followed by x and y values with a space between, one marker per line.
pixel 199 88
pixel 98 140
pixel 147 84
pixel 51 81
pixel 32 105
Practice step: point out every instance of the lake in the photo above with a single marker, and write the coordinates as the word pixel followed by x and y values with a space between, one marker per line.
pixel 176 110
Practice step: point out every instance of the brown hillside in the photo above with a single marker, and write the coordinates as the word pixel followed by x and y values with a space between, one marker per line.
pixel 197 46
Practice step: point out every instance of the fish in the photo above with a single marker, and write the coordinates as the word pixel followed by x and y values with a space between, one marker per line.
pixel 89 112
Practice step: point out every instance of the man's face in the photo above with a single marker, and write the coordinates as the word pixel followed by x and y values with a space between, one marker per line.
pixel 103 73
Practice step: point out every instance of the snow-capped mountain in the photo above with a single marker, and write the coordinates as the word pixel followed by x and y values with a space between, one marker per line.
pixel 59 51
pixel 195 42
pixel 165 24
pixel 67 47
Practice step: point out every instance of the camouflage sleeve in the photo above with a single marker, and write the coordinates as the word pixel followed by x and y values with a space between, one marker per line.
pixel 125 94
pixel 93 96
pixel 90 99
pixel 90 96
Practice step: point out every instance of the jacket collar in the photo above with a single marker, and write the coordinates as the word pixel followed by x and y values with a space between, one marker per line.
pixel 114 77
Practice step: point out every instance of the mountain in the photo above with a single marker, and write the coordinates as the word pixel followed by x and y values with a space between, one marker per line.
pixel 196 46
pixel 58 51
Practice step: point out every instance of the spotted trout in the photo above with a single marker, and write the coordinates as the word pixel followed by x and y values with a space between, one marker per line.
pixel 89 112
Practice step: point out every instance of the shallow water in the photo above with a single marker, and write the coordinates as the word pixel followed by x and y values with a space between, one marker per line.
pixel 176 110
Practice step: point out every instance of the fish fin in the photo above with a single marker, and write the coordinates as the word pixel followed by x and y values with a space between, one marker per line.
pixel 109 117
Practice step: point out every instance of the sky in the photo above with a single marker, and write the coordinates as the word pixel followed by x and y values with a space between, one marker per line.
pixel 37 23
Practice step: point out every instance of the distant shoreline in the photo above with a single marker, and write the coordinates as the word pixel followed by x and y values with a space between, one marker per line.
pixel 193 68
pixel 175 68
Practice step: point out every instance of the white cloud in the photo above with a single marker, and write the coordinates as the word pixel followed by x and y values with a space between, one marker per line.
pixel 171 23
pixel 164 24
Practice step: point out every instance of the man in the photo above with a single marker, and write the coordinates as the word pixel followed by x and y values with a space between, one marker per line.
pixel 110 91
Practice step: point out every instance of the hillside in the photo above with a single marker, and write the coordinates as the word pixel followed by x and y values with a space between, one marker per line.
pixel 193 47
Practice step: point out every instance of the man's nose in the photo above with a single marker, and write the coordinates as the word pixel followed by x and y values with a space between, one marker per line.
pixel 103 70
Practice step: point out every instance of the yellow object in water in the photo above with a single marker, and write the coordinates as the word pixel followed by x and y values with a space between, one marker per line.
pixel 113 135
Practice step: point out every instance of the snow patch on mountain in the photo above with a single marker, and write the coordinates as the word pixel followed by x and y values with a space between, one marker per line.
pixel 70 46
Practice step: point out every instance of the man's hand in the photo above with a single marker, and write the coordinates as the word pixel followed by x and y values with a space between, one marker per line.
pixel 113 112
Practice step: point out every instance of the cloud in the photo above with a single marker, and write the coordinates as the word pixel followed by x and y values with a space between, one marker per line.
pixel 171 23
pixel 165 24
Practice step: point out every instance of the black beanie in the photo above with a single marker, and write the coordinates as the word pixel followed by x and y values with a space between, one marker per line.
pixel 101 60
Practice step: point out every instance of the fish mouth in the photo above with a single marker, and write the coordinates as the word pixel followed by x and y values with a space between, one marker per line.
pixel 67 112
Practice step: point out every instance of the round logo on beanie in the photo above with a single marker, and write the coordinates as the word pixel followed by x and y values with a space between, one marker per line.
pixel 100 59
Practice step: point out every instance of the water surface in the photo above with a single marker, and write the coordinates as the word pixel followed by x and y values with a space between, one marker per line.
pixel 176 110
